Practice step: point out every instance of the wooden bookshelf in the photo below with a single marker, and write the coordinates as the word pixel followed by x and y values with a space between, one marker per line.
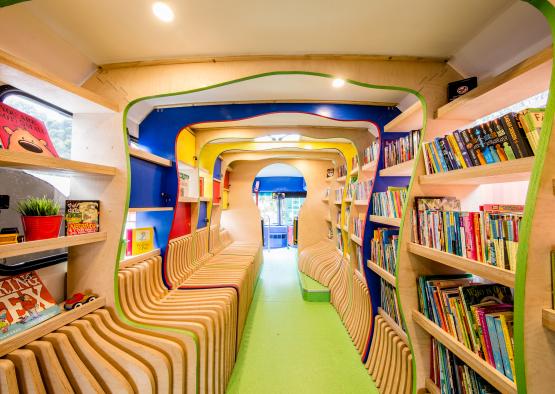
pixel 328 219
pixel 409 119
pixel 403 169
pixel 431 387
pixel 548 318
pixel 151 209
pixel 341 179
pixel 150 157
pixel 190 199
pixel 64 318
pixel 337 202
pixel 43 245
pixel 488 372
pixel 360 202
pixel 393 324
pixel 521 81
pixel 131 260
pixel 507 171
pixel 51 165
pixel 348 200
pixel 354 171
pixel 356 239
pixel 386 220
pixel 370 167
pixel 490 272
pixel 381 272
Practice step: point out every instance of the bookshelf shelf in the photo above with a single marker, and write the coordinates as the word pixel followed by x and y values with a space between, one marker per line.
pixel 43 245
pixel 410 119
pixel 508 171
pixel 488 372
pixel 216 204
pixel 151 209
pixel 403 169
pixel 131 260
pixel 32 334
pixel 341 179
pixel 150 157
pixel 356 239
pixel 483 270
pixel 402 334
pixel 348 200
pixel 354 171
pixel 370 167
pixel 548 319
pixel 205 199
pixel 346 229
pixel 521 81
pixel 360 202
pixel 386 220
pixel 326 199
pixel 328 219
pixel 51 165
pixel 226 189
pixel 382 273
pixel 337 202
pixel 431 387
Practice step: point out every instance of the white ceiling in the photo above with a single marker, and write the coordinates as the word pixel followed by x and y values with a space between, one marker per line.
pixel 274 88
pixel 110 31
pixel 279 169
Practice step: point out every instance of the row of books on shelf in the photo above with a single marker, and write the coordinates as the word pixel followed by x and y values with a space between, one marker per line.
pixel 489 236
pixel 389 203
pixel 371 153
pixel 358 225
pixel 338 194
pixel 389 303
pixel 359 257
pixel 339 240
pixel 453 376
pixel 354 162
pixel 402 149
pixel 341 171
pixel 478 315
pixel 347 214
pixel 360 190
pixel 383 247
pixel 509 137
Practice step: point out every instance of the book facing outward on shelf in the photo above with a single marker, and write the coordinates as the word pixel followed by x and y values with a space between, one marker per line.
pixel 509 137
pixel 389 203
pixel 480 316
pixel 24 302
pixel 489 236
pixel 82 216
pixel 139 240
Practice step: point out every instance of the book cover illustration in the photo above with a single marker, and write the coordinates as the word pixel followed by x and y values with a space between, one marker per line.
pixel 24 302
pixel 20 132
pixel 82 216
pixel 140 240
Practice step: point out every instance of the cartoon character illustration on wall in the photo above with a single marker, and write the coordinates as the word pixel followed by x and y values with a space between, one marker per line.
pixel 4 321
pixel 20 132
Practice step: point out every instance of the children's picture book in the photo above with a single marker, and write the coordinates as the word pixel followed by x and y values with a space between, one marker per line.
pixel 24 303
pixel 82 216
pixel 140 240
pixel 20 132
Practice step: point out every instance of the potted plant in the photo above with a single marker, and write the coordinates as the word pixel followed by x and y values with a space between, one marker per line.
pixel 41 218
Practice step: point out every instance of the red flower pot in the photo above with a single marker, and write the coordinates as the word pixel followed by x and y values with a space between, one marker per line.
pixel 41 227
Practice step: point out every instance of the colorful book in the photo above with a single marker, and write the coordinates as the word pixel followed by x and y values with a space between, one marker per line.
pixel 140 240
pixel 25 302
pixel 82 217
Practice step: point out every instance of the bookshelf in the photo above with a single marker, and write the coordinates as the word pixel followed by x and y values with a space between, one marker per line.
pixel 356 239
pixel 23 248
pixel 150 209
pixel 362 203
pixel 147 156
pixel 369 167
pixel 396 222
pixel 409 119
pixel 381 272
pixel 131 260
pixel 403 169
pixel 398 330
pixel 431 387
pixel 533 313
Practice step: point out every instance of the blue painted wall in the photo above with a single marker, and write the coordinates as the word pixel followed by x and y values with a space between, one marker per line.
pixel 280 184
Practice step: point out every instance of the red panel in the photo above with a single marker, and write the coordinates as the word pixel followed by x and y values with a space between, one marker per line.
pixel 217 194
pixel 226 180
pixel 181 221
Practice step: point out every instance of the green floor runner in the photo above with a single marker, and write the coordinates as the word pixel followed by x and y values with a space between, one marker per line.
pixel 312 290
pixel 294 346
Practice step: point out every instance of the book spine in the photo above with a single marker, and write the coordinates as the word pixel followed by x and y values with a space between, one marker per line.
pixel 462 148
pixel 467 139
pixel 503 348
pixel 516 135
pixel 440 154
pixel 129 249
pixel 447 154
pixel 492 333
pixel 455 148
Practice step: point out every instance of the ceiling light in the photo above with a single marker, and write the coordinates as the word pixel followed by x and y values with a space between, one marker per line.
pixel 278 138
pixel 338 83
pixel 291 138
pixel 162 11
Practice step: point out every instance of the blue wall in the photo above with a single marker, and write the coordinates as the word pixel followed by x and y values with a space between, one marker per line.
pixel 280 184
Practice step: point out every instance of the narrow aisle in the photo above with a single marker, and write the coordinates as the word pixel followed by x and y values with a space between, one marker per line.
pixel 293 346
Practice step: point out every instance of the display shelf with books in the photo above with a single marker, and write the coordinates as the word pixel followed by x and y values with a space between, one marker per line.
pixel 401 169
pixel 511 168
pixel 395 222
pixel 389 278
pixel 409 119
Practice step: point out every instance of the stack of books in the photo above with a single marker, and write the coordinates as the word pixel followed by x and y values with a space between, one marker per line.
pixel 489 236
pixel 512 136
pixel 400 150
pixel 389 302
pixel 383 247
pixel 371 152
pixel 452 376
pixel 480 316
pixel 389 203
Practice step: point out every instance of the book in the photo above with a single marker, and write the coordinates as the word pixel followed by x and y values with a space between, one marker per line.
pixel 517 136
pixel 140 240
pixel 532 120
pixel 389 203
pixel 402 149
pixel 20 132
pixel 82 217
pixel 24 302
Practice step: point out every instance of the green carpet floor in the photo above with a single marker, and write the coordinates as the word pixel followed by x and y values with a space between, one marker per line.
pixel 293 346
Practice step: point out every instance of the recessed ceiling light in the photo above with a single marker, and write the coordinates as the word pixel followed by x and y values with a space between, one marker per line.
pixel 338 83
pixel 162 11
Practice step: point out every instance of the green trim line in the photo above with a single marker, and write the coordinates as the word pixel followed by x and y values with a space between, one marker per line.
pixel 312 290
pixel 252 77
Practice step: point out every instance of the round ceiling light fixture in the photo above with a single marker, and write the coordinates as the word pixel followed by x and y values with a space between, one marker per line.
pixel 338 83
pixel 163 11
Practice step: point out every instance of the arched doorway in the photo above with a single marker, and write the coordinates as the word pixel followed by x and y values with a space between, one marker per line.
pixel 279 191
